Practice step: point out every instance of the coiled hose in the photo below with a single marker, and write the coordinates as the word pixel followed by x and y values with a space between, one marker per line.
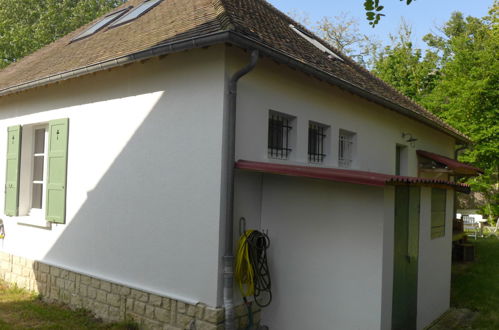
pixel 252 271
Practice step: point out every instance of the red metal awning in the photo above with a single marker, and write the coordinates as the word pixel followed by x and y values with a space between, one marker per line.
pixel 452 164
pixel 342 175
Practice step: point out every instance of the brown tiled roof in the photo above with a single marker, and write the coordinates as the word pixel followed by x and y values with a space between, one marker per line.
pixel 175 21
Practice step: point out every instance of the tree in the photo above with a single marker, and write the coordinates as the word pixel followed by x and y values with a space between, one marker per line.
pixel 27 25
pixel 458 80
pixel 408 69
pixel 343 33
pixel 467 94
pixel 374 11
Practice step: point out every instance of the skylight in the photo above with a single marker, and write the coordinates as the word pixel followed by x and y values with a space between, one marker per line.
pixel 137 12
pixel 315 43
pixel 101 24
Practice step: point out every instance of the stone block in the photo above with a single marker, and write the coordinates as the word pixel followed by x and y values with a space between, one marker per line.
pixel 191 310
pixel 95 283
pixel 91 292
pixel 181 307
pixel 106 286
pixel 101 296
pixel 165 303
pixel 72 276
pixel 149 312
pixel 59 282
pixel 214 315
pixel 113 299
pixel 151 325
pixel 114 314
pixel 55 271
pixel 129 304
pixel 69 285
pixel 43 268
pixel 140 295
pixel 64 274
pixel 184 321
pixel 200 311
pixel 162 315
pixel 83 290
pixel 101 310
pixel 154 300
pixel 139 307
pixel 202 325
pixel 42 278
pixel 87 280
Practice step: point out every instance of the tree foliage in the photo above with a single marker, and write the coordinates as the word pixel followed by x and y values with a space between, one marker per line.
pixel 27 25
pixel 457 79
pixel 374 10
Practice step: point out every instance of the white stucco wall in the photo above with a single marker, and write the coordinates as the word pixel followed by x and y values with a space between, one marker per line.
pixel 276 87
pixel 144 167
pixel 435 256
pixel 326 252
pixel 286 202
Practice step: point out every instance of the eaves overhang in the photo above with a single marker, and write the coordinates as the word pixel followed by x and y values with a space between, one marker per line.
pixel 242 41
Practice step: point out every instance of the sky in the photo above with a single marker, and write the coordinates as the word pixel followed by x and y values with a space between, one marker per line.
pixel 422 15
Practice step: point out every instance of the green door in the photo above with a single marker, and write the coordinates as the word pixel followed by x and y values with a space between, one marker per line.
pixel 405 270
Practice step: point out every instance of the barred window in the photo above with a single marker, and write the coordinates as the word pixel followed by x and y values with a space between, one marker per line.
pixel 316 140
pixel 279 145
pixel 346 149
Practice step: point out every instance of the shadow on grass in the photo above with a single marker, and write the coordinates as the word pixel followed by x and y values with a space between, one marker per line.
pixel 20 309
pixel 475 285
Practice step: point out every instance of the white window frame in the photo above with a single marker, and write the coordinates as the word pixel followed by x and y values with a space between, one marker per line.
pixel 27 214
pixel 32 210
pixel 346 156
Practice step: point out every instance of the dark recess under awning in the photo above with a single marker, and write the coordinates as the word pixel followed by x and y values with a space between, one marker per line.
pixel 455 166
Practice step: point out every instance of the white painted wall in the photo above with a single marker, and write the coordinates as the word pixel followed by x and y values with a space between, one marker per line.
pixel 435 256
pixel 325 254
pixel 307 218
pixel 276 87
pixel 143 190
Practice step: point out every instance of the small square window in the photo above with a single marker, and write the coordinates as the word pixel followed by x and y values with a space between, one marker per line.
pixel 346 149
pixel 279 139
pixel 316 142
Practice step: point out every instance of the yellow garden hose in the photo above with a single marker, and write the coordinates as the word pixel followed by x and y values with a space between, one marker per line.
pixel 244 273
pixel 251 270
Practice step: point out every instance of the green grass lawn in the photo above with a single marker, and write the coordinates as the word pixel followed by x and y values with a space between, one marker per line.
pixel 475 285
pixel 20 310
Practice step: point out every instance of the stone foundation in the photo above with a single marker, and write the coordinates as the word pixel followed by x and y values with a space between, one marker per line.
pixel 113 302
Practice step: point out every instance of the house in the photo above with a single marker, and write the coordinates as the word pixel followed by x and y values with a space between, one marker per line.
pixel 128 171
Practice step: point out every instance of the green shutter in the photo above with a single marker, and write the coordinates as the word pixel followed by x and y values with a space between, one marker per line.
pixel 12 170
pixel 57 169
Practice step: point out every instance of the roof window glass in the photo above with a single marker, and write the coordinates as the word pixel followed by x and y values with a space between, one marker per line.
pixel 137 12
pixel 101 24
pixel 316 43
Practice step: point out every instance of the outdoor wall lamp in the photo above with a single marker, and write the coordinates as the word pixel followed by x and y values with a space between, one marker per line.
pixel 409 138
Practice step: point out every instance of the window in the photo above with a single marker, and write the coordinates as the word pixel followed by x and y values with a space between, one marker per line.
pixel 315 42
pixel 279 139
pixel 438 201
pixel 316 140
pixel 346 149
pixel 137 12
pixel 401 160
pixel 36 171
pixel 101 24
